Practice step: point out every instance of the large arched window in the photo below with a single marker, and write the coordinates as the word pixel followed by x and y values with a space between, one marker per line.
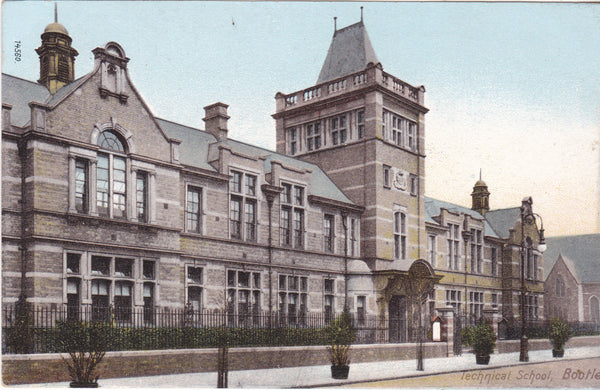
pixel 111 195
pixel 594 309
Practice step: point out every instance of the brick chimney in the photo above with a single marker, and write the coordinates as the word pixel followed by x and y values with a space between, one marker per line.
pixel 215 119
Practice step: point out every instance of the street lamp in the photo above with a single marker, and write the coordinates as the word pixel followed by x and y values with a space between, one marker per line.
pixel 527 215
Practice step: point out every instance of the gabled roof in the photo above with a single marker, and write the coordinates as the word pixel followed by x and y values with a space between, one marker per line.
pixel 194 150
pixel 433 208
pixel 18 93
pixel 502 220
pixel 583 251
pixel 350 51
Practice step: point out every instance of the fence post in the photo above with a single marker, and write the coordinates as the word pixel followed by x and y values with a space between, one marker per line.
pixel 447 314
pixel 222 361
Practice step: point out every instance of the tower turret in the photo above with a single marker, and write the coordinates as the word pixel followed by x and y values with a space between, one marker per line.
pixel 481 197
pixel 57 57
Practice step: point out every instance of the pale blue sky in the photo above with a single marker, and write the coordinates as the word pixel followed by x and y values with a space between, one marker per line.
pixel 513 88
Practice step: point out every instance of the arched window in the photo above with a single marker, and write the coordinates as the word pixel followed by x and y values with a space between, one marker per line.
pixel 109 140
pixel 560 287
pixel 111 177
pixel 594 309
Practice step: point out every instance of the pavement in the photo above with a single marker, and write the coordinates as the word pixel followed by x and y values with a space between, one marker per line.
pixel 320 376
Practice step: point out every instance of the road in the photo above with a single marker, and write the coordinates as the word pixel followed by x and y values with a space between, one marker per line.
pixel 561 373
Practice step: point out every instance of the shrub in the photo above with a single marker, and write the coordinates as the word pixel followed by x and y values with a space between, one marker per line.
pixel 483 339
pixel 466 335
pixel 559 333
pixel 341 335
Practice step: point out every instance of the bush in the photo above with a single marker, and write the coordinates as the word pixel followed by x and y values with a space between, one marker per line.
pixel 466 335
pixel 483 339
pixel 20 338
pixel 559 333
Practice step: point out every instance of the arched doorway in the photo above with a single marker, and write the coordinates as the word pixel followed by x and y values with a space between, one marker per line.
pixel 397 317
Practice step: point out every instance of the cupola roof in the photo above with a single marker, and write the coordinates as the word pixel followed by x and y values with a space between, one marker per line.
pixel 56 28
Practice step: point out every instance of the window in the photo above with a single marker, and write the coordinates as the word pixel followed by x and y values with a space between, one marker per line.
pixel 313 136
pixel 360 309
pixel 494 299
pixel 494 261
pixel 292 215
pixel 431 252
pixel 111 177
pixel 100 305
pixel 73 298
pixel 475 304
pixel 531 306
pixel 476 251
pixel 293 297
pixel 193 210
pixel 453 246
pixel 117 273
pixel 243 294
pixel 123 267
pixel 560 287
pixel 293 140
pixel 399 235
pixel 73 263
pixel 353 237
pixel 194 287
pixel 141 196
pixel 414 185
pixel 338 130
pixel 81 186
pixel 148 269
pixel 243 202
pixel 328 288
pixel 148 295
pixel 328 232
pixel 387 178
pixel 535 267
pixel 400 131
pixel 453 298
pixel 123 301
pixel 360 123
pixel 594 309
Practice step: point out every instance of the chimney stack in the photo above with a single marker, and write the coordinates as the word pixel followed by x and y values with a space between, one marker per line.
pixel 215 119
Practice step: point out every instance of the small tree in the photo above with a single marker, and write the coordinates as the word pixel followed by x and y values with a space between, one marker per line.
pixel 483 338
pixel 559 333
pixel 341 335
pixel 86 344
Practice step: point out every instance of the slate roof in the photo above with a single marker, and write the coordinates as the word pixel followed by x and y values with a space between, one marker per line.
pixel 194 151
pixel 503 219
pixel 583 251
pixel 433 208
pixel 350 51
pixel 18 93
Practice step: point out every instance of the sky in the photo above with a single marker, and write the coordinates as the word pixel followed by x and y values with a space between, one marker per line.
pixel 513 89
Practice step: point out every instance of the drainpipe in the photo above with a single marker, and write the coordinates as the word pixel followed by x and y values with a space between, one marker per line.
pixel 270 193
pixel 345 225
pixel 22 249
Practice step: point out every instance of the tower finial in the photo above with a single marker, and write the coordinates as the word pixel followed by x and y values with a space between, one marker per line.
pixel 479 173
pixel 361 13
pixel 55 12
pixel 335 23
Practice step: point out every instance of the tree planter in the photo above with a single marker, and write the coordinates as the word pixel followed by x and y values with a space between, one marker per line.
pixel 482 359
pixel 84 384
pixel 558 353
pixel 340 372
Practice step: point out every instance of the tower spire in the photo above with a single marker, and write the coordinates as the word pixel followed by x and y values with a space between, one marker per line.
pixel 361 13
pixel 335 23
pixel 55 12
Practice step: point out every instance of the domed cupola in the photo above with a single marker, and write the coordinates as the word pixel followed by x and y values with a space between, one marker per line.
pixel 57 57
pixel 480 197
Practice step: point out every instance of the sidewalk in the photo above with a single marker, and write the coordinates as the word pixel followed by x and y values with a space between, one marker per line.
pixel 319 376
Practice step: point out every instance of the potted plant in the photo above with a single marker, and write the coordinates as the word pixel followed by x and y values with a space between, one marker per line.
pixel 340 335
pixel 86 344
pixel 559 335
pixel 483 341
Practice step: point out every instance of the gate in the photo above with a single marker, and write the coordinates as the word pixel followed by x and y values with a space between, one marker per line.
pixel 397 318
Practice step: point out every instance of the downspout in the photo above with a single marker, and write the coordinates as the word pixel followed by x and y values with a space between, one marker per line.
pixel 270 250
pixel 22 249
pixel 345 225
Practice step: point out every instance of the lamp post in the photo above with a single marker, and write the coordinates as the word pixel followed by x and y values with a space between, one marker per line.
pixel 527 215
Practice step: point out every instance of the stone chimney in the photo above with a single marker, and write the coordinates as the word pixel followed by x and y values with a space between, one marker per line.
pixel 215 119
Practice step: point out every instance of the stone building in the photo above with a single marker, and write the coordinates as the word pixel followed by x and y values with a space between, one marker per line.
pixel 106 205
pixel 572 285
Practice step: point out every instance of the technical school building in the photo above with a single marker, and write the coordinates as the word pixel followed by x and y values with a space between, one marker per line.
pixel 103 204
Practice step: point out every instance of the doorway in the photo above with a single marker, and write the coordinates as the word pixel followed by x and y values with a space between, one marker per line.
pixel 397 317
